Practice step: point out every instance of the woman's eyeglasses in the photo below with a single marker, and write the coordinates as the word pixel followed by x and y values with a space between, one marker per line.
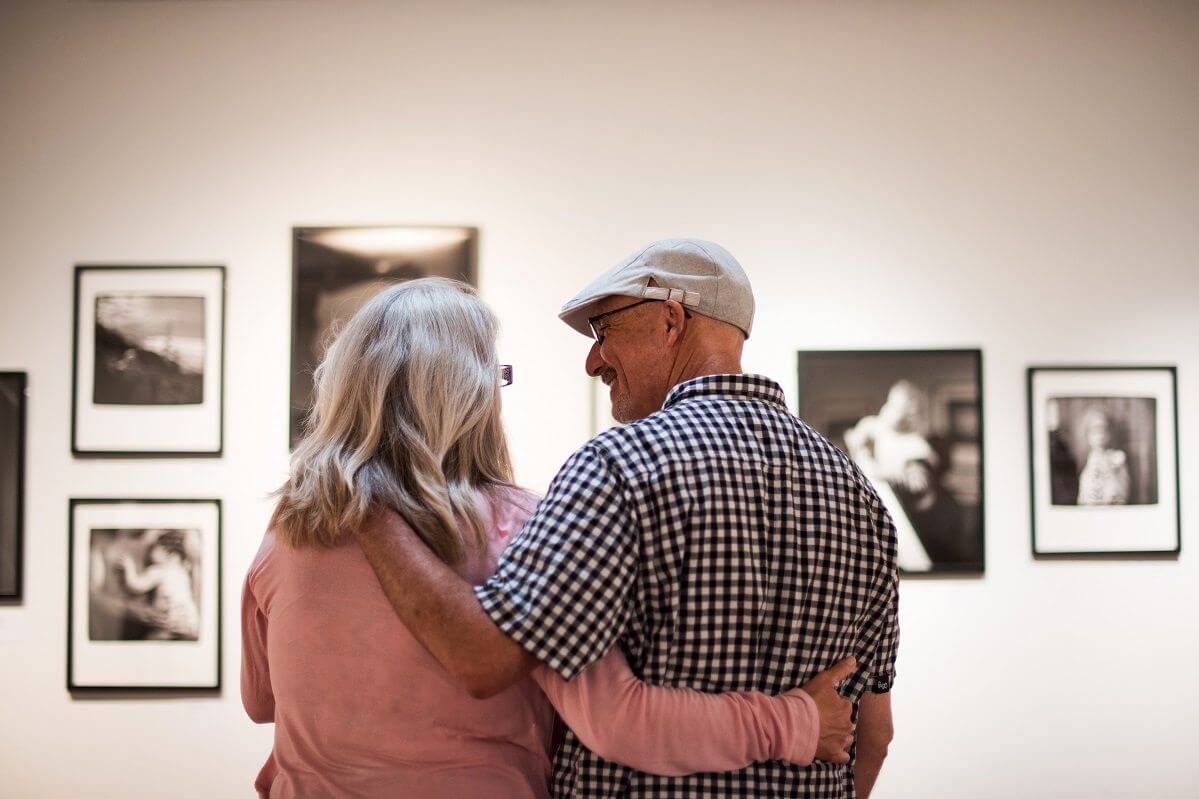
pixel 505 374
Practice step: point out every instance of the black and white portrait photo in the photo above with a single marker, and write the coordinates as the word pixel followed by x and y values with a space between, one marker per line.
pixel 149 358
pixel 144 585
pixel 149 350
pixel 336 270
pixel 1102 450
pixel 912 421
pixel 1103 459
pixel 12 481
pixel 144 598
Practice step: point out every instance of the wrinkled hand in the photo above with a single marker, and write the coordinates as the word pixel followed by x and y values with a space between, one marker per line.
pixel 836 725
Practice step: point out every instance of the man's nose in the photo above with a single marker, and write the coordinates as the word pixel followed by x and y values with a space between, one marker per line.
pixel 595 361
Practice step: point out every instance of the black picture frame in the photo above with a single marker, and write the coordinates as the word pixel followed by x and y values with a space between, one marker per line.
pixel 1039 549
pixel 323 263
pixel 14 391
pixel 81 450
pixel 963 568
pixel 85 690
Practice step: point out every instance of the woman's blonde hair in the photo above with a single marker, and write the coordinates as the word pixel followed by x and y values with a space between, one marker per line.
pixel 406 416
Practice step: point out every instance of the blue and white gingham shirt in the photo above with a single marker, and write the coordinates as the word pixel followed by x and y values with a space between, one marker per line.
pixel 726 546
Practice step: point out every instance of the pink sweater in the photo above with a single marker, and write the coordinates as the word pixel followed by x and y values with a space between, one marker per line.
pixel 362 710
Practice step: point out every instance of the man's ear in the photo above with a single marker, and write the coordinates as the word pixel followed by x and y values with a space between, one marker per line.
pixel 676 322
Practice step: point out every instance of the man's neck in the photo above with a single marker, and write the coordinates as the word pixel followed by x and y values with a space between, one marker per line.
pixel 703 364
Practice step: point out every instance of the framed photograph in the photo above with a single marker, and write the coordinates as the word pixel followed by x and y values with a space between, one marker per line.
pixel 12 482
pixel 336 270
pixel 1103 460
pixel 144 595
pixel 912 420
pixel 149 361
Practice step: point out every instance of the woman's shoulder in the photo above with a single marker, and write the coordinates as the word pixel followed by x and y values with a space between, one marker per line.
pixel 266 553
pixel 513 496
pixel 276 552
pixel 513 505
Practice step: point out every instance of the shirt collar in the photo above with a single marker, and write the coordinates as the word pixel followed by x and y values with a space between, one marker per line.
pixel 755 387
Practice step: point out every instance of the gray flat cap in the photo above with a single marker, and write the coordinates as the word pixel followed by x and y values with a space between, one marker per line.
pixel 702 276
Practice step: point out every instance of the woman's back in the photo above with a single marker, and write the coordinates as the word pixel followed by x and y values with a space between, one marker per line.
pixel 360 708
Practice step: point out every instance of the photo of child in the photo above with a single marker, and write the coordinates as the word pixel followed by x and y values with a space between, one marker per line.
pixel 144 585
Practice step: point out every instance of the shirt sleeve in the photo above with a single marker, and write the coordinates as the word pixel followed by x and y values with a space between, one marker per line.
pixel 880 664
pixel 880 632
pixel 624 720
pixel 562 587
pixel 256 694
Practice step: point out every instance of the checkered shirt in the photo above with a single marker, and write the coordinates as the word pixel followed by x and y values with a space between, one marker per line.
pixel 726 546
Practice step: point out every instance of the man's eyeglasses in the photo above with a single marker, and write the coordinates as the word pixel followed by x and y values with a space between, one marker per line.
pixel 598 327
pixel 505 374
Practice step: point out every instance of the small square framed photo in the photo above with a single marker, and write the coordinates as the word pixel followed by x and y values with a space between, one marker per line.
pixel 12 482
pixel 144 595
pixel 912 420
pixel 149 361
pixel 1103 460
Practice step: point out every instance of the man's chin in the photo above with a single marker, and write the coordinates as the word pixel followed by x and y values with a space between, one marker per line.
pixel 624 414
pixel 620 409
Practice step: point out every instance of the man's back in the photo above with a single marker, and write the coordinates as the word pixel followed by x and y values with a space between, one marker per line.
pixel 736 549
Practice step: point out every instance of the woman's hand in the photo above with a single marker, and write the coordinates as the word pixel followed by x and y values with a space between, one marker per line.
pixel 836 725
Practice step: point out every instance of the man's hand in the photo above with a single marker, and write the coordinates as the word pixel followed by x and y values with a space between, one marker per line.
pixel 836 726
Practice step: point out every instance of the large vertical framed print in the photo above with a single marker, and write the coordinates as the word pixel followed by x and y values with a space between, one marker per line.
pixel 149 361
pixel 144 595
pixel 912 420
pixel 336 270
pixel 1103 460
pixel 12 482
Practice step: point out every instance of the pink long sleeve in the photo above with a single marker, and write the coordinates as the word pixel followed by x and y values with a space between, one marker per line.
pixel 256 694
pixel 677 731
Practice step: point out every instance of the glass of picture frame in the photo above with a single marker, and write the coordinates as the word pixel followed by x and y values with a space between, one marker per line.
pixel 149 357
pixel 144 595
pixel 912 420
pixel 13 389
pixel 1103 460
pixel 336 270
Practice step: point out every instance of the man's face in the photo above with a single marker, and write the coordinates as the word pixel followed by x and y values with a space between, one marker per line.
pixel 633 360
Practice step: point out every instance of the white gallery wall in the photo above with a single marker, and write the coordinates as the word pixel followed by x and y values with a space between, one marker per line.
pixel 1019 177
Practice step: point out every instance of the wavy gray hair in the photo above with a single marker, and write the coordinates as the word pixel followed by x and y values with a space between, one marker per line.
pixel 406 416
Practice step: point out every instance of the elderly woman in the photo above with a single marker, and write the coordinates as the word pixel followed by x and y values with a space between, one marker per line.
pixel 407 417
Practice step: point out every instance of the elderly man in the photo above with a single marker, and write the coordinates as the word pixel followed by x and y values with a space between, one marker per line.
pixel 718 540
